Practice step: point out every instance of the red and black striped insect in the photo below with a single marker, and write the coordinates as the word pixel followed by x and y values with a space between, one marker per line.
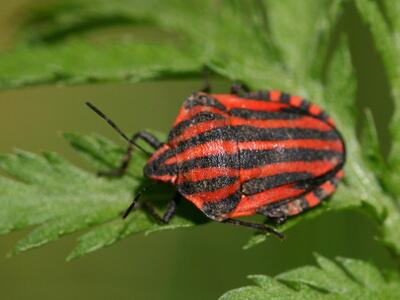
pixel 245 153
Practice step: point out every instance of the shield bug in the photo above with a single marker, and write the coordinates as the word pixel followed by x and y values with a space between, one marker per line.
pixel 244 153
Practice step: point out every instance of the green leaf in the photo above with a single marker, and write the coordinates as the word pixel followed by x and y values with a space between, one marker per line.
pixel 267 44
pixel 344 279
pixel 61 198
pixel 386 40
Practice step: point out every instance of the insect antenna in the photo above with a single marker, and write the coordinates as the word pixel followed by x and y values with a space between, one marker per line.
pixel 132 206
pixel 116 128
pixel 134 202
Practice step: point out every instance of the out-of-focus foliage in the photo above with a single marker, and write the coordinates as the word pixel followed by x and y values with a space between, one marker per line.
pixel 79 61
pixel 385 28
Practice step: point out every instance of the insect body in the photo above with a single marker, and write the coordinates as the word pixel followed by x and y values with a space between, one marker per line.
pixel 261 152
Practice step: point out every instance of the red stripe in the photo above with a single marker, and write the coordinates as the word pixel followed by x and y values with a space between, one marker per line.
pixel 198 129
pixel 275 95
pixel 295 101
pixel 214 196
pixel 331 122
pixel 314 109
pixel 165 178
pixel 230 147
pixel 248 204
pixel 206 149
pixel 206 173
pixel 311 199
pixel 304 122
pixel 294 208
pixel 316 168
pixel 182 114
pixel 233 101
pixel 328 188
pixel 185 114
pixel 159 152
pixel 306 143
pixel 339 174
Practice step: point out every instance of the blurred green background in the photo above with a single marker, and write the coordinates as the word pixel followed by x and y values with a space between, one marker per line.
pixel 196 263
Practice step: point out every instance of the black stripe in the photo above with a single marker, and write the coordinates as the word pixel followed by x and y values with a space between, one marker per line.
pixel 241 134
pixel 207 185
pixel 304 204
pixel 258 185
pixel 251 133
pixel 248 133
pixel 221 160
pixel 196 119
pixel 265 115
pixel 281 208
pixel 320 193
pixel 159 169
pixel 305 185
pixel 255 158
pixel 164 156
pixel 323 116
pixel 304 105
pixel 217 209
pixel 285 98
pixel 249 159
pixel 304 110
pixel 335 181
pixel 259 95
pixel 328 176
pixel 203 100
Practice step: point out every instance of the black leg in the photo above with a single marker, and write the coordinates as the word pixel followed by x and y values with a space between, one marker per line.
pixel 275 214
pixel 169 211
pixel 279 220
pixel 206 85
pixel 258 226
pixel 239 89
pixel 121 170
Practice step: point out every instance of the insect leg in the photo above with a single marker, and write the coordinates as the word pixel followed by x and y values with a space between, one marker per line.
pixel 239 89
pixel 258 226
pixel 206 79
pixel 121 170
pixel 169 211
